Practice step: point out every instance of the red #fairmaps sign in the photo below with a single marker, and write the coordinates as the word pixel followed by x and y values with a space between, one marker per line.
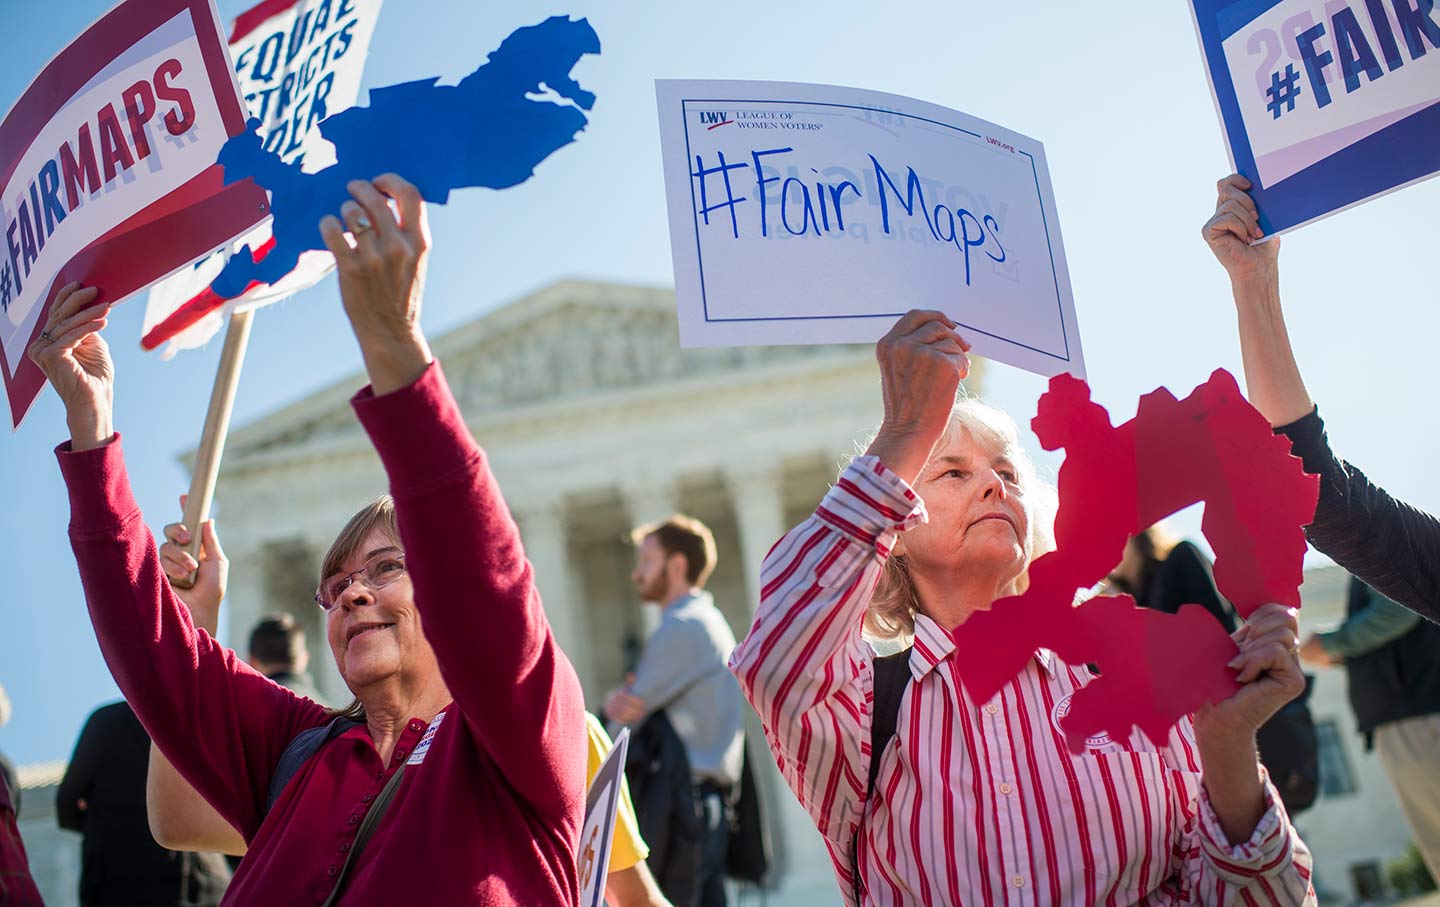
pixel 107 168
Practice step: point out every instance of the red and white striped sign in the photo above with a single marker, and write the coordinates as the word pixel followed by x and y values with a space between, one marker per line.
pixel 297 61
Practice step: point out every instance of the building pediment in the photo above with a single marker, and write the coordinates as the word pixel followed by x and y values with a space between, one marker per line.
pixel 569 341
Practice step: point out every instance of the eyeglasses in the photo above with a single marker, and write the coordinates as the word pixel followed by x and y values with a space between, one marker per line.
pixel 378 572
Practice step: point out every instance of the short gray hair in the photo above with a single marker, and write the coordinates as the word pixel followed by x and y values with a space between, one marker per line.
pixel 891 611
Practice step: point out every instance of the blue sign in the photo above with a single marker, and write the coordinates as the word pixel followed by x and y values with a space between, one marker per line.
pixel 1325 103
pixel 490 130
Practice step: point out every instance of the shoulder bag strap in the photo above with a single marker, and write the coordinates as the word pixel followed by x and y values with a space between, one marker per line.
pixel 891 675
pixel 367 828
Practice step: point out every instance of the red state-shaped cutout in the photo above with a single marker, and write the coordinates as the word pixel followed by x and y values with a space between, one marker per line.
pixel 1212 446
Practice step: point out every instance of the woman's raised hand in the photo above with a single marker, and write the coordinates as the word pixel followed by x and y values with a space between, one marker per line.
pixel 76 360
pixel 382 276
pixel 1234 226
pixel 922 361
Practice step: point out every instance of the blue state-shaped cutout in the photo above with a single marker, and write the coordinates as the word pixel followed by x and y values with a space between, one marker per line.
pixel 482 132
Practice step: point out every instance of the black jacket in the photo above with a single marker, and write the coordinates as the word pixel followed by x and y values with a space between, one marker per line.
pixel 120 863
pixel 658 772
pixel 1387 543
pixel 1399 680
pixel 1185 577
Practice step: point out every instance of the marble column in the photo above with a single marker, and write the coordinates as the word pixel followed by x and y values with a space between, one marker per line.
pixel 756 494
pixel 544 529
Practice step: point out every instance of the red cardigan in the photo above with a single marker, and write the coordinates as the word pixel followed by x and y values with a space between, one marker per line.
pixel 492 813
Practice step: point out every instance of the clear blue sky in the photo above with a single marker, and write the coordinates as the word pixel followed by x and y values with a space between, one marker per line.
pixel 1115 91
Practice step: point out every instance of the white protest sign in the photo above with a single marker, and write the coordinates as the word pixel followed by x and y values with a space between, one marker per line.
pixel 815 214
pixel 598 832
pixel 297 63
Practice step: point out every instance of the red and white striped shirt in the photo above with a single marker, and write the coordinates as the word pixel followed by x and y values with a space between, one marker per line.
pixel 975 803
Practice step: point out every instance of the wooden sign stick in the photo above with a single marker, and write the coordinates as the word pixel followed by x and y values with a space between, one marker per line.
pixel 217 426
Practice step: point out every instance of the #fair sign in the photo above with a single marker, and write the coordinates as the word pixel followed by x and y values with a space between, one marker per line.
pixel 816 214
pixel 1325 103
pixel 297 62
pixel 107 168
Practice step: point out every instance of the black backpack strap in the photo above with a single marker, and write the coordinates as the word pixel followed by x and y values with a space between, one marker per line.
pixel 891 677
pixel 306 744
pixel 367 828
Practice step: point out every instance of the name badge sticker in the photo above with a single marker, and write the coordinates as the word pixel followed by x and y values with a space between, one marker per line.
pixel 423 746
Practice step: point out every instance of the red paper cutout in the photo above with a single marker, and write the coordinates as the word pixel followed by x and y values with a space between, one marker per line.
pixel 1213 446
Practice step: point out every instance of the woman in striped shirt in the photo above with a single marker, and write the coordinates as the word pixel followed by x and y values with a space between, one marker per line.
pixel 982 802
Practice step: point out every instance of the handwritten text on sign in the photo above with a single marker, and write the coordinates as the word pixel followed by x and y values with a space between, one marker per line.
pixel 812 214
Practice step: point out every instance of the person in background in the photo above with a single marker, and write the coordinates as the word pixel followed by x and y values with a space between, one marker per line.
pixel 1392 659
pixel 102 796
pixel 682 673
pixel 1162 573
pixel 277 650
pixel 1387 543
pixel 17 886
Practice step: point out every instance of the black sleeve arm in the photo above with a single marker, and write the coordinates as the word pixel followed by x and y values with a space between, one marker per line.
pixel 1392 546
pixel 79 776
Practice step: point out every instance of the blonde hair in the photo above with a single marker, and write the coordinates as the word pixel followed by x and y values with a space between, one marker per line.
pixel 891 612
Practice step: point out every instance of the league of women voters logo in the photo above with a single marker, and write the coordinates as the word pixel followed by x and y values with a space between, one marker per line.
pixel 1212 446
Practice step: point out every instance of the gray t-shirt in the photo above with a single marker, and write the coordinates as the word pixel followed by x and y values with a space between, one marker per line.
pixel 683 671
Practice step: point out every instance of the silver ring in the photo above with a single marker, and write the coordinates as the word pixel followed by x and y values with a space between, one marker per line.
pixel 45 335
pixel 362 225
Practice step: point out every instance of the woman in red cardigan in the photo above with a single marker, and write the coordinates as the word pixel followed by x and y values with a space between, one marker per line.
pixel 479 713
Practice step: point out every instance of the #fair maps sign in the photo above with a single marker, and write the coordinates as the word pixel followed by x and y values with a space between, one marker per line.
pixel 1325 103
pixel 107 168
pixel 816 214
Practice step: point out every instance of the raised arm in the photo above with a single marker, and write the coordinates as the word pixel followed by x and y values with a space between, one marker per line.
pixel 1272 379
pixel 473 586
pixel 221 723
pixel 180 819
pixel 804 666
pixel 1389 544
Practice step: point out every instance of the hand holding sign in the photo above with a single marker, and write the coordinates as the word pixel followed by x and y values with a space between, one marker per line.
pixel 420 128
pixel 76 360
pixel 383 276
pixel 922 362
pixel 1268 671
pixel 1232 232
